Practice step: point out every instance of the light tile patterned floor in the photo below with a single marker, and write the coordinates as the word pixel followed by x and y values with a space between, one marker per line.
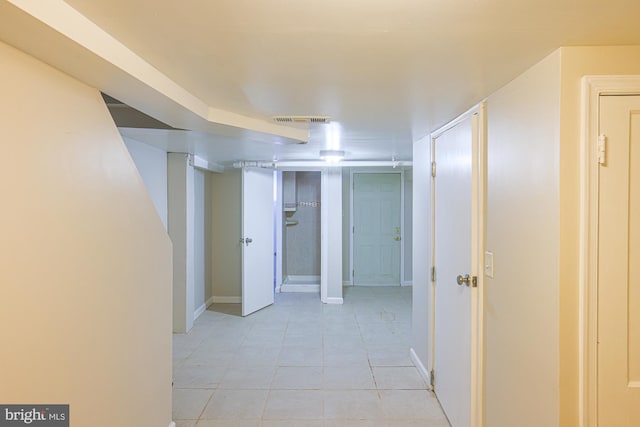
pixel 300 363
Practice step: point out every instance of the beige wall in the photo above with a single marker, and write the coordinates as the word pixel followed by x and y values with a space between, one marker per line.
pixel 523 220
pixel 576 63
pixel 226 216
pixel 85 262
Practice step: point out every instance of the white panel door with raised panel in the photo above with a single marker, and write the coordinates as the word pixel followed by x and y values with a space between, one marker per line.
pixel 377 234
pixel 257 239
pixel 455 210
pixel 618 390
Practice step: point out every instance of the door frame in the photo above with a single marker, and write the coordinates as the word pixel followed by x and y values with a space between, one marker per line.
pixel 479 176
pixel 592 88
pixel 278 229
pixel 352 172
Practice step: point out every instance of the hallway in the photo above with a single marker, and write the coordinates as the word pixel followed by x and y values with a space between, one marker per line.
pixel 305 364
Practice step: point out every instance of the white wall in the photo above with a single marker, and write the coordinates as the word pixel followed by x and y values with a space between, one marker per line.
pixel 331 241
pixel 421 326
pixel 533 212
pixel 85 262
pixel 181 227
pixel 346 230
pixel 202 239
pixel 151 163
pixel 523 219
pixel 408 226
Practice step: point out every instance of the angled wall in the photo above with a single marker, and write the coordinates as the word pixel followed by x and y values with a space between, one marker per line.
pixel 85 262
pixel 151 163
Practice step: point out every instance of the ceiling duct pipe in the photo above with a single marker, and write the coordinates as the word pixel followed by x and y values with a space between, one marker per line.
pixel 286 164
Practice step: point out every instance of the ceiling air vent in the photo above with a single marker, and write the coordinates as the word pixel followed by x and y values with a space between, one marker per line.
pixel 302 119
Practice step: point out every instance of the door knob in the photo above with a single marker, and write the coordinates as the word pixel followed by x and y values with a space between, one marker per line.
pixel 248 240
pixel 467 280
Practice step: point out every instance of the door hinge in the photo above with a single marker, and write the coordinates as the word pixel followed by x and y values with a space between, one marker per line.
pixel 433 169
pixel 353 273
pixel 602 149
pixel 433 274
pixel 432 379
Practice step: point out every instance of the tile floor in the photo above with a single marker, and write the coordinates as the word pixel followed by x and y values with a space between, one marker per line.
pixel 300 363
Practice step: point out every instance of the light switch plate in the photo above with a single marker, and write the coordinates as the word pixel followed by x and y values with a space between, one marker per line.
pixel 488 264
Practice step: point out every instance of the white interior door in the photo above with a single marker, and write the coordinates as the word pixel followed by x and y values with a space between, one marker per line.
pixel 453 254
pixel 257 239
pixel 619 264
pixel 377 233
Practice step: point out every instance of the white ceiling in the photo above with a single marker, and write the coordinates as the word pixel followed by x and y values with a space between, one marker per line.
pixel 386 71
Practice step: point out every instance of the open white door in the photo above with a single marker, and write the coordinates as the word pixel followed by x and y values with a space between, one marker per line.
pixel 257 239
pixel 455 277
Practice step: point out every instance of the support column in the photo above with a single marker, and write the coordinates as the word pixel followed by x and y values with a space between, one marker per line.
pixel 181 218
pixel 331 241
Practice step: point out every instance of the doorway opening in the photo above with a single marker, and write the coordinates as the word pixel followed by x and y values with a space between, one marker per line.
pixel 300 236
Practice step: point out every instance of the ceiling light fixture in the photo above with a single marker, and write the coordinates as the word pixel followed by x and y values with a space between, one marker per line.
pixel 332 156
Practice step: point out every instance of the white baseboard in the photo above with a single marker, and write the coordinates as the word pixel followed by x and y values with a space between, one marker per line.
pixel 226 300
pixel 199 311
pixel 404 284
pixel 299 288
pixel 202 308
pixel 335 301
pixel 397 285
pixel 424 373
pixel 301 278
pixel 172 424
